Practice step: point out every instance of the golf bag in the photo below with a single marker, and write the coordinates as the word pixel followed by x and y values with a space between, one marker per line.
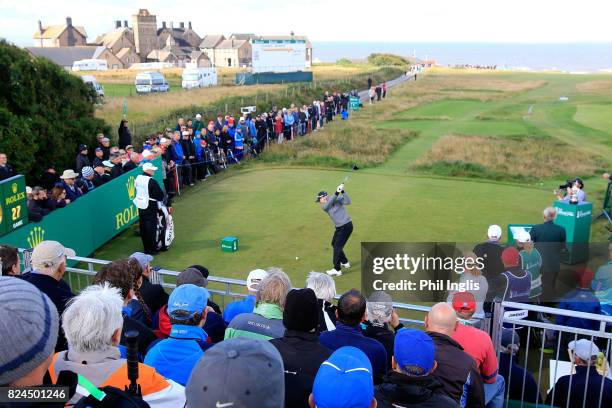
pixel 165 228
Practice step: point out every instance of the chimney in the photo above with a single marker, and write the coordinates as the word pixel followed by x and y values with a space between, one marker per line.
pixel 183 25
pixel 40 29
pixel 117 23
pixel 164 25
pixel 189 24
pixel 125 23
pixel 69 21
pixel 171 25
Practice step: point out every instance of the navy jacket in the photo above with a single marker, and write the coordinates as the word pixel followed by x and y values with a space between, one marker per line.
pixel 399 390
pixel 513 374
pixel 346 335
pixel 580 300
pixel 579 380
pixel 549 239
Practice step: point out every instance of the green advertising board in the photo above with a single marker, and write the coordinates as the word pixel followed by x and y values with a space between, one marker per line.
pixel 576 219
pixel 13 208
pixel 89 222
pixel 354 103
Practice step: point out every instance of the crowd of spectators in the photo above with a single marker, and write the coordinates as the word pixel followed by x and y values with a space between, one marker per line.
pixel 280 346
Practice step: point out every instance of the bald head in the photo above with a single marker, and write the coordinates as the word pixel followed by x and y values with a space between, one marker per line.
pixel 441 319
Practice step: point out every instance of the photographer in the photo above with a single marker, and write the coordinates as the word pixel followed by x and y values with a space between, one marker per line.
pixel 575 192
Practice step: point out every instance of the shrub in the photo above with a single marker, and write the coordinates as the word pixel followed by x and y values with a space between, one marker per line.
pixel 387 59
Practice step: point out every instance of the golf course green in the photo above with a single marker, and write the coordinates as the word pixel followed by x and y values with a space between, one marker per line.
pixel 489 148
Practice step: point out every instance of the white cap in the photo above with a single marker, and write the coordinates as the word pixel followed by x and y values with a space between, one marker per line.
pixel 107 163
pixel 522 236
pixel 254 279
pixel 148 166
pixel 185 133
pixel 494 232
pixel 242 119
pixel 583 348
pixel 146 154
pixel 163 140
pixel 49 254
pixel 198 116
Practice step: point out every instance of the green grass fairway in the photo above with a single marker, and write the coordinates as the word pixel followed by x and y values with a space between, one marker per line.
pixel 271 208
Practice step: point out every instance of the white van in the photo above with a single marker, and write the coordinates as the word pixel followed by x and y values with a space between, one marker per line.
pixel 91 80
pixel 199 77
pixel 149 82
pixel 90 65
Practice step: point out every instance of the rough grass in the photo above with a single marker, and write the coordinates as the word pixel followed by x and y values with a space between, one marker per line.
pixel 503 158
pixel 599 87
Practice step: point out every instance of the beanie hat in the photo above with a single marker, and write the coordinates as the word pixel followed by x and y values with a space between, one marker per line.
pixel 29 325
pixel 191 276
pixel 511 257
pixel 87 171
pixel 301 310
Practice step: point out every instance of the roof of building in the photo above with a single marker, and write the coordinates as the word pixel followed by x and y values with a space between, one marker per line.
pixel 230 44
pixel 211 40
pixel 176 33
pixel 65 56
pixel 55 31
pixel 110 39
pixel 284 38
pixel 160 55
pixel 241 36
pixel 124 51
pixel 200 55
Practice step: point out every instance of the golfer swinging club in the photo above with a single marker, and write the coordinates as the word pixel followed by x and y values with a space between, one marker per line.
pixel 334 207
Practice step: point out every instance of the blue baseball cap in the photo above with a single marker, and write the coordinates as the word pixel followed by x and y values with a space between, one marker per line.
pixel 414 352
pixel 189 298
pixel 344 380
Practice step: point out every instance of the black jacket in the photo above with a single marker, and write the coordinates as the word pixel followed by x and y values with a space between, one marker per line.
pixel 98 179
pixel 326 307
pixel 125 137
pixel 302 356
pixel 457 371
pixel 399 390
pixel 37 209
pixel 116 171
pixel 188 148
pixel 156 193
pixel 385 335
pixel 574 386
pixel 549 239
pixel 130 165
pixel 490 252
pixel 6 172
pixel 58 291
pixel 145 335
pixel 154 295
pixel 82 161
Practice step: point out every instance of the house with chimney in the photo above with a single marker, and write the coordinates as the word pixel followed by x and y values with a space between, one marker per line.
pixel 183 36
pixel 65 35
pixel 120 42
pixel 209 43
pixel 233 53
pixel 66 56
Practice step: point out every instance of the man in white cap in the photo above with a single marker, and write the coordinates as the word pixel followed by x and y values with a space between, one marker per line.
pixel 49 266
pixel 68 178
pixel 148 195
pixel 490 253
pixel 571 389
pixel 531 260
pixel 247 304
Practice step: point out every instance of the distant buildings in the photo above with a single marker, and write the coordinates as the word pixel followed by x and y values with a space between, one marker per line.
pixel 144 41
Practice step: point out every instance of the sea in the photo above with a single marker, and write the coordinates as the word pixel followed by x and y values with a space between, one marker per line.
pixel 570 57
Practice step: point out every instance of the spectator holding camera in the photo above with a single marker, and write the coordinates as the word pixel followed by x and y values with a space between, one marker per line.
pixel 574 192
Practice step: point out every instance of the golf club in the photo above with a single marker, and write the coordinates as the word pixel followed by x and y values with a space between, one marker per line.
pixel 349 174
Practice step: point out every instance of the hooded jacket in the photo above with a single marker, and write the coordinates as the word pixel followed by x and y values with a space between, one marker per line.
pixel 265 323
pixel 457 372
pixel 399 390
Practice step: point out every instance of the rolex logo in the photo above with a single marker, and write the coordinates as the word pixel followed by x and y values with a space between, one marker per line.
pixel 36 236
pixel 14 188
pixel 131 187
pixel 0 215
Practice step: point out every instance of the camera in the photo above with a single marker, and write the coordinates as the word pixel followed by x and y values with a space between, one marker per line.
pixel 570 184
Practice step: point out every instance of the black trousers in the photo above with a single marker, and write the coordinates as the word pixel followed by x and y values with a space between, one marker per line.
pixel 341 236
pixel 148 232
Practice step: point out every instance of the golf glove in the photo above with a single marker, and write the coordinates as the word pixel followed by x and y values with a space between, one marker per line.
pixel 340 188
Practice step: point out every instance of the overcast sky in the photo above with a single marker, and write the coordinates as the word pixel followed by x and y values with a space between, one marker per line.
pixel 329 20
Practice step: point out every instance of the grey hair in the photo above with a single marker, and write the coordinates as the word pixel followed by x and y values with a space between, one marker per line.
pixel 322 284
pixel 92 317
pixel 274 288
pixel 549 213
pixel 379 307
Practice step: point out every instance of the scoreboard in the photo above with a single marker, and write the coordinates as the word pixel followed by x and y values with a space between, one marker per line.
pixel 13 204
pixel 278 55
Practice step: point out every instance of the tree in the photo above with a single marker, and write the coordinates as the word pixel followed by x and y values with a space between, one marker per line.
pixel 45 113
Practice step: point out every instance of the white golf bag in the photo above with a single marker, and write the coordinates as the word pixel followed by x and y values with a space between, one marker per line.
pixel 165 228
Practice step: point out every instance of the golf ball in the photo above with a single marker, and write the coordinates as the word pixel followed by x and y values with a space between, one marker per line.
pixel 296 258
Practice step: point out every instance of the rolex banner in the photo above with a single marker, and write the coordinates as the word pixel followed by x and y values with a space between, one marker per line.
pixel 13 204
pixel 89 222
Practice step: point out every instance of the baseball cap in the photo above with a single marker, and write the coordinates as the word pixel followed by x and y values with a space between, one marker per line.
pixel 464 302
pixel 321 195
pixel 50 253
pixel 29 325
pixel 107 163
pixel 185 133
pixel 128 147
pixel 189 298
pixel 191 276
pixel 583 348
pixel 106 139
pixel 143 259
pixel 146 154
pixel 523 236
pixel 98 149
pixel 238 372
pixel 511 257
pixel 148 167
pixel 198 116
pixel 414 352
pixel 203 270
pixel 82 147
pixel 494 231
pixel 254 279
pixel 344 380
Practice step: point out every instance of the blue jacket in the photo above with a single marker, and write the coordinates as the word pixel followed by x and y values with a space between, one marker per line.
pixel 289 119
pixel 252 129
pixel 239 306
pixel 345 335
pixel 580 300
pixel 176 154
pixel 578 382
pixel 72 193
pixel 513 374
pixel 197 142
pixel 175 357
pixel 238 139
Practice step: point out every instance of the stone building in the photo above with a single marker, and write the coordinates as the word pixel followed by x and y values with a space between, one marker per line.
pixel 233 53
pixel 65 35
pixel 145 33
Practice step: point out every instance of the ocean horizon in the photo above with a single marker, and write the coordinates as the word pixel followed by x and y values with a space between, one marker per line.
pixel 568 57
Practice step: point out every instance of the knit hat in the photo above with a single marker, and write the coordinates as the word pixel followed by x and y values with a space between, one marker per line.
pixel 203 270
pixel 238 372
pixel 191 276
pixel 511 257
pixel 301 310
pixel 87 171
pixel 29 325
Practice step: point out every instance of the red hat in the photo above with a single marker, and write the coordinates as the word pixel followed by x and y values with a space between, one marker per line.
pixel 511 257
pixel 584 277
pixel 464 302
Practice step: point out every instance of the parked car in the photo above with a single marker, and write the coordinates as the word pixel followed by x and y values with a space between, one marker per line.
pixel 90 65
pixel 199 77
pixel 91 80
pixel 148 82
